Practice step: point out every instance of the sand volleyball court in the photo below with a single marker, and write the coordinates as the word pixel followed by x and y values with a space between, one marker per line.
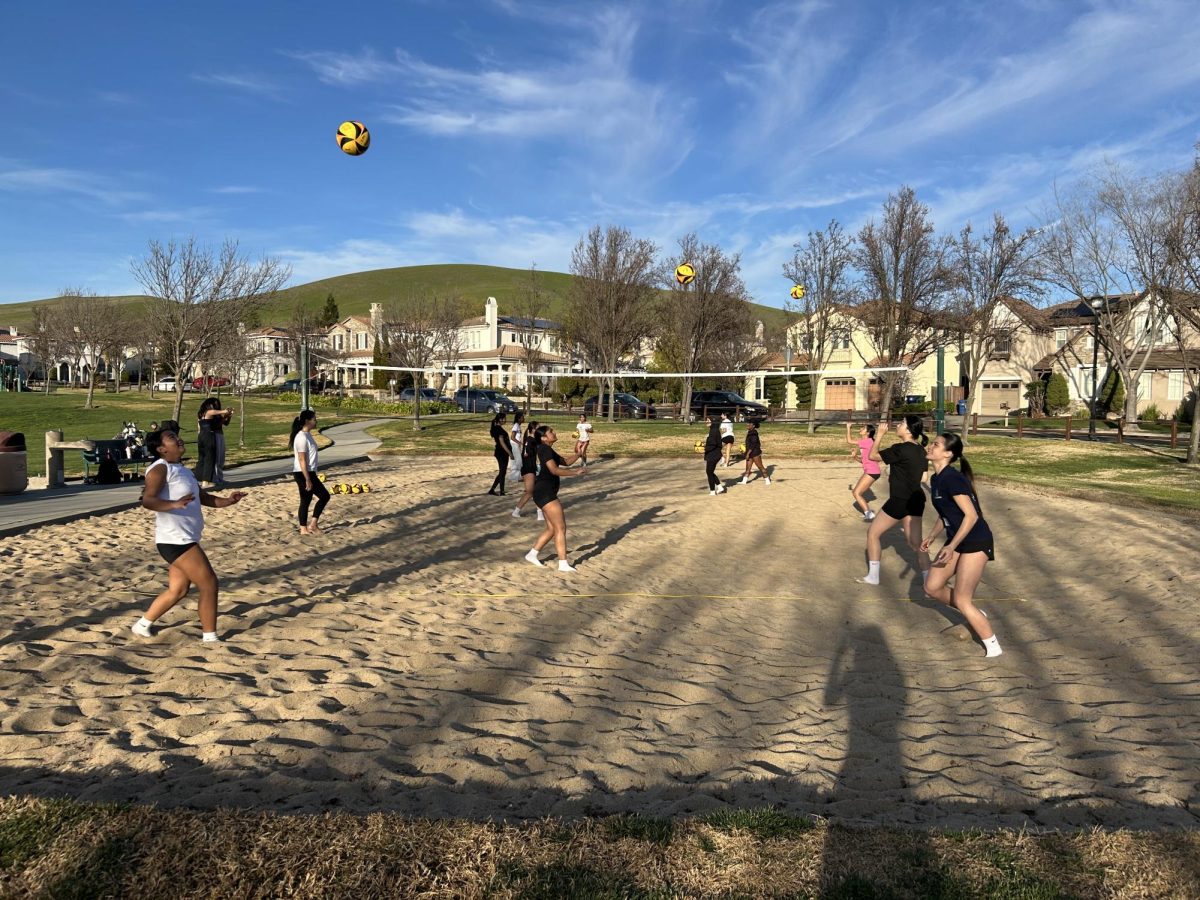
pixel 710 652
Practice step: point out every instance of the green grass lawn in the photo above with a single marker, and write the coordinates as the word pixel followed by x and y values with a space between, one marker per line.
pixel 1078 467
pixel 268 422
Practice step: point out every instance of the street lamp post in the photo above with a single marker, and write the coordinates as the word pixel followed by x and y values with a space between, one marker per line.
pixel 1095 304
pixel 787 380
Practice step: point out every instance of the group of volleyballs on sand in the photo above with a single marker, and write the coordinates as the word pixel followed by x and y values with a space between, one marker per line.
pixel 173 494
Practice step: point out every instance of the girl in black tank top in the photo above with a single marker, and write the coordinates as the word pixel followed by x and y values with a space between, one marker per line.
pixel 907 502
pixel 502 451
pixel 545 495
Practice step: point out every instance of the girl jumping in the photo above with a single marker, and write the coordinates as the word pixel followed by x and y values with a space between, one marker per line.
pixel 870 468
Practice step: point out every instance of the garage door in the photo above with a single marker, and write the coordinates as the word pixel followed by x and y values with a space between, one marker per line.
pixel 997 396
pixel 839 393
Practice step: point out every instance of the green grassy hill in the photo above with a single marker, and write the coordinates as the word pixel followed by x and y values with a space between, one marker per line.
pixel 357 291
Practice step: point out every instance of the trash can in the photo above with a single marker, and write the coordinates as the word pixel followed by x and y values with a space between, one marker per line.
pixel 14 467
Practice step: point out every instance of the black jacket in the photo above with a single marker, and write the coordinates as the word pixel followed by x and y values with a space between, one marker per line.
pixel 712 443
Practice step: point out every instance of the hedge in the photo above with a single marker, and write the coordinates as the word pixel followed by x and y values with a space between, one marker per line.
pixel 362 404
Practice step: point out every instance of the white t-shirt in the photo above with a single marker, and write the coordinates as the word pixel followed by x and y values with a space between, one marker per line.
pixel 516 432
pixel 178 526
pixel 726 428
pixel 305 443
pixel 585 432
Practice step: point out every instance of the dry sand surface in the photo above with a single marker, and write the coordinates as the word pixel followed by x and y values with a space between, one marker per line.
pixel 711 651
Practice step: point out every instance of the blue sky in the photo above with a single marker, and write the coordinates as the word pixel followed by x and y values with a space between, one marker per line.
pixel 502 130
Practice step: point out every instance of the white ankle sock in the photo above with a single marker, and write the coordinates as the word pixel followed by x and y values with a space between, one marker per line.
pixel 872 576
pixel 209 637
pixel 992 646
pixel 143 622
pixel 564 566
pixel 532 556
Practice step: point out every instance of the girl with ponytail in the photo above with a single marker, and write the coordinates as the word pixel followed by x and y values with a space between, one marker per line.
pixel 907 467
pixel 968 546
pixel 304 471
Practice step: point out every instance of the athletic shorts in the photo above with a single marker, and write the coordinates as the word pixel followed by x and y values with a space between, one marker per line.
pixel 172 552
pixel 528 468
pixel 753 454
pixel 874 476
pixel 543 495
pixel 978 547
pixel 913 505
pixel 728 439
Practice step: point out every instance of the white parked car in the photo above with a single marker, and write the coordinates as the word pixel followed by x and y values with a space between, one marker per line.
pixel 167 383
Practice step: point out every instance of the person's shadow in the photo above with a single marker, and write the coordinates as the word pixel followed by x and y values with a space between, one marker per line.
pixel 865 680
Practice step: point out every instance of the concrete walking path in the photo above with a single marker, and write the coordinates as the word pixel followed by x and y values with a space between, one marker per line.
pixel 46 507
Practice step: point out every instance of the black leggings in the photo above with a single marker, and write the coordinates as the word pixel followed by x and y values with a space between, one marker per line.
pixel 502 461
pixel 710 469
pixel 318 490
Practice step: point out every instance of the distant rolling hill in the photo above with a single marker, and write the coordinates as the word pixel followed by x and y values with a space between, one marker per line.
pixel 357 291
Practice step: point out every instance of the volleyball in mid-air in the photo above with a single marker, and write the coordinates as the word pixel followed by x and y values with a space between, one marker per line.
pixel 797 291
pixel 353 138
pixel 685 274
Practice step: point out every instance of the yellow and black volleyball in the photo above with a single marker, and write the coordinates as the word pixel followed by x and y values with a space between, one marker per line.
pixel 797 291
pixel 685 274
pixel 699 446
pixel 353 138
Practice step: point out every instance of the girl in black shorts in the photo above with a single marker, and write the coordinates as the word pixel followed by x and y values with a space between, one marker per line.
pixel 528 468
pixel 968 546
pixel 906 504
pixel 503 452
pixel 545 495
pixel 712 456
pixel 754 453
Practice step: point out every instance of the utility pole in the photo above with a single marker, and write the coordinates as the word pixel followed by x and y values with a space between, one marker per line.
pixel 940 412
pixel 303 372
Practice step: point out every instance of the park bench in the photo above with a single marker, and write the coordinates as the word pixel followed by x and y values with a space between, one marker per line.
pixel 114 450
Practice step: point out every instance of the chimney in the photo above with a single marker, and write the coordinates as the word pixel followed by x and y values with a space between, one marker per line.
pixel 376 319
pixel 758 331
pixel 490 313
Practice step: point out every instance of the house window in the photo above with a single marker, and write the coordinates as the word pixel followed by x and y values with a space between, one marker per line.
pixel 759 390
pixel 512 338
pixel 1089 385
pixel 1060 338
pixel 1003 343
pixel 1145 386
pixel 1175 385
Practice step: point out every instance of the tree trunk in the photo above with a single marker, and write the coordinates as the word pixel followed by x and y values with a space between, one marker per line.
pixel 612 401
pixel 178 400
pixel 813 382
pixel 1131 401
pixel 91 386
pixel 1193 454
pixel 242 419
pixel 416 401
pixel 685 411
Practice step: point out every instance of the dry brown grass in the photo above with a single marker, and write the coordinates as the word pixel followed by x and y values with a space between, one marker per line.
pixel 61 848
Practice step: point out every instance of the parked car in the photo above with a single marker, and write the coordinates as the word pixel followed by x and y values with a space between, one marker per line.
pixel 167 383
pixel 315 385
pixel 737 406
pixel 428 395
pixel 207 382
pixel 627 406
pixel 483 400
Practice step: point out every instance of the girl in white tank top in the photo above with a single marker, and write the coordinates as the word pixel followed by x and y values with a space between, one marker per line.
pixel 172 493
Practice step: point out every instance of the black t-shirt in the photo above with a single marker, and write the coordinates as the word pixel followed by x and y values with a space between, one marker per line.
pixel 944 487
pixel 529 445
pixel 908 464
pixel 500 436
pixel 545 453
pixel 753 442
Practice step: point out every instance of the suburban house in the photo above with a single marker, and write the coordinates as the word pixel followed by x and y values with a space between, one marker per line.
pixel 842 387
pixel 1023 335
pixel 1069 351
pixel 350 346
pixel 274 355
pixel 492 350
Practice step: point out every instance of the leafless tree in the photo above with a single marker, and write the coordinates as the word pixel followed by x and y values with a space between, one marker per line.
pixel 609 307
pixel 198 297
pixel 821 265
pixel 304 325
pixel 45 343
pixel 236 358
pixel 1183 302
pixel 698 318
pixel 906 273
pixel 419 329
pixel 1091 254
pixel 986 270
pixel 529 319
pixel 90 332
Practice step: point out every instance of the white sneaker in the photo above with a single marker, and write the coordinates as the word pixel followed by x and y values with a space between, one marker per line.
pixel 720 488
pixel 141 630
pixel 712 493
pixel 564 566
pixel 766 480
pixel 532 556
pixel 541 518
pixel 205 639
pixel 516 513
pixel 743 481
pixel 869 515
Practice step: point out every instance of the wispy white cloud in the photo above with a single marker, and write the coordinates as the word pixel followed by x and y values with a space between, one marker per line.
pixel 236 189
pixel 259 85
pixel 116 98
pixel 67 181
pixel 588 96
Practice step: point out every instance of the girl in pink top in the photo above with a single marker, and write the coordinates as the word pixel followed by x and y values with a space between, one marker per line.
pixel 871 470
